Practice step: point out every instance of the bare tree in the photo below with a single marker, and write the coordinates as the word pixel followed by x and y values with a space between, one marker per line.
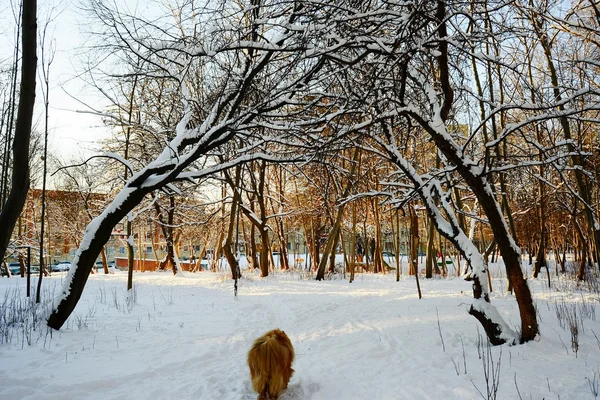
pixel 20 166
pixel 235 65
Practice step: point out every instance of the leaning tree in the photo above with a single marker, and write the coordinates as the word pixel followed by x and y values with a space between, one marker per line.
pixel 404 73
pixel 230 66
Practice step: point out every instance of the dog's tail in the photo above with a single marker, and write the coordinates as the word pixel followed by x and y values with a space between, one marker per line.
pixel 264 357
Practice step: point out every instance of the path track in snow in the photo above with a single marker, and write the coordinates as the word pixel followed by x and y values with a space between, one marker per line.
pixel 188 338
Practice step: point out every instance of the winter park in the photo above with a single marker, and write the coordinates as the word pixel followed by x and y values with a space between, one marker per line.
pixel 299 199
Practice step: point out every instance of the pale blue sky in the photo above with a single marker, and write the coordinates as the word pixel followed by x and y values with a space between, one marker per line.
pixel 72 132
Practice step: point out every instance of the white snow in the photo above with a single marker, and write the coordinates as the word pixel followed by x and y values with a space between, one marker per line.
pixel 187 338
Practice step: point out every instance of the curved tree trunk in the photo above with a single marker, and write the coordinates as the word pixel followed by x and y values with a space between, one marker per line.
pixel 96 235
pixel 496 329
pixel 477 182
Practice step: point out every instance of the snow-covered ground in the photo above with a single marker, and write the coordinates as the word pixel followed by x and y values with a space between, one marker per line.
pixel 186 337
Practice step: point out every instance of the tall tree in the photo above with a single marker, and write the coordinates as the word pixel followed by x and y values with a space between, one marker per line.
pixel 20 171
pixel 232 104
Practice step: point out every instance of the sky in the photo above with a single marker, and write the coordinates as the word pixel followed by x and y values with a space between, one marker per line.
pixel 74 133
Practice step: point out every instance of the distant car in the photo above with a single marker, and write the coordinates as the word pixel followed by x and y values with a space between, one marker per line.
pixel 61 266
pixel 110 264
pixel 15 268
pixel 204 264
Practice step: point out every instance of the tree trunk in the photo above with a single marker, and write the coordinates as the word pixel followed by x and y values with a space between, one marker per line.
pixel 104 262
pixel 167 229
pixel 397 247
pixel 540 257
pixel 330 244
pixel 366 243
pixel 141 263
pixel 246 241
pixel 333 238
pixel 512 257
pixel 478 183
pixel 413 266
pixel 378 253
pixel 96 236
pixel 395 223
pixel 233 213
pixel 352 264
pixel 346 260
pixel 315 248
pixel 265 249
pixel 333 252
pixel 172 257
pixel 414 246
pixel 583 246
pixel 431 258
pixel 283 250
pixel 227 251
pixel 4 188
pixel 20 173
pixel 129 227
pixel 253 250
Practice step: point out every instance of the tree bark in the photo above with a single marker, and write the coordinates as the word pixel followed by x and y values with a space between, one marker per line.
pixel 478 183
pixel 378 253
pixel 20 173
pixel 430 258
pixel 231 258
pixel 10 119
pixel 85 258
pixel 413 264
pixel 414 246
pixel 167 229
pixel 397 244
pixel 352 264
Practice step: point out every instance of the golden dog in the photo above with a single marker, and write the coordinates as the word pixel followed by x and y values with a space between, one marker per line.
pixel 270 361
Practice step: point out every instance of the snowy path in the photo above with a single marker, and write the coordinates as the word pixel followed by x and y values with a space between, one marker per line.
pixel 187 338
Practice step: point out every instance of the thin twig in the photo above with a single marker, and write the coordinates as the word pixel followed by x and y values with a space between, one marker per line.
pixel 517 386
pixel 440 329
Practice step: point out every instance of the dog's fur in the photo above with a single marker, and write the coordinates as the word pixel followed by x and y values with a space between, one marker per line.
pixel 270 361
